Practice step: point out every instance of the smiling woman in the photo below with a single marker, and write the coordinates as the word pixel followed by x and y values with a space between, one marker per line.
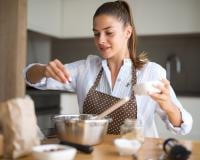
pixel 101 81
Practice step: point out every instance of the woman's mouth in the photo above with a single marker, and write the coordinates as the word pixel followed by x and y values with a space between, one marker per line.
pixel 104 49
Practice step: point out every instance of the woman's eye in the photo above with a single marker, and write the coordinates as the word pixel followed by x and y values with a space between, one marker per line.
pixel 96 34
pixel 109 33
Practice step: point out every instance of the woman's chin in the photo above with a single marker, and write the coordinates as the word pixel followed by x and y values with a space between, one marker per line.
pixel 105 55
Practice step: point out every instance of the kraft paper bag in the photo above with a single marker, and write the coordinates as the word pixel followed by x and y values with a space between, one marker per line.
pixel 1 145
pixel 19 127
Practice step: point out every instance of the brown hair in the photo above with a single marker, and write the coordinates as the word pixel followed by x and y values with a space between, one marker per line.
pixel 121 10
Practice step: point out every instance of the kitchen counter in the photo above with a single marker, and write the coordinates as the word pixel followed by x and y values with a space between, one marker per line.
pixel 151 149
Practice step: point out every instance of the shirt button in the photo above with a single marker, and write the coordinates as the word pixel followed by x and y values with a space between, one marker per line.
pixel 128 84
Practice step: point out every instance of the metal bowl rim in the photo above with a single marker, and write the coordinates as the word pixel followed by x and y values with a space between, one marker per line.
pixel 59 117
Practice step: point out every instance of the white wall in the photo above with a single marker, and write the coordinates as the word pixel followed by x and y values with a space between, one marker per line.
pixel 191 104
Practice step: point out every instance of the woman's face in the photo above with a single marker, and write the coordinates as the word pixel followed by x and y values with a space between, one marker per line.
pixel 111 36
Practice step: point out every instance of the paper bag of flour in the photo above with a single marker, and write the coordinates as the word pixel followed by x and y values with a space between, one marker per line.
pixel 19 127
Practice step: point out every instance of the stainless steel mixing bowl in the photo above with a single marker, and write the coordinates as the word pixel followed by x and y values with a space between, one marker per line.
pixel 81 129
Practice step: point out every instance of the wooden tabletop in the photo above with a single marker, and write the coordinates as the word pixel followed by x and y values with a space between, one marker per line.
pixel 150 150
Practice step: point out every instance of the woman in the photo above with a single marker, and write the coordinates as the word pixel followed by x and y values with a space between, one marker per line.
pixel 100 82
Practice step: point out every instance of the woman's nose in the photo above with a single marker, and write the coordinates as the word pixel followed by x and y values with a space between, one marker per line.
pixel 102 39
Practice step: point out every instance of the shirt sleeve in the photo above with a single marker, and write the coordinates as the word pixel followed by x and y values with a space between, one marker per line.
pixel 187 121
pixel 77 70
pixel 52 84
pixel 41 84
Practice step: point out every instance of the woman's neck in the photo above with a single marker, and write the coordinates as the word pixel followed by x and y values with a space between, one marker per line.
pixel 114 65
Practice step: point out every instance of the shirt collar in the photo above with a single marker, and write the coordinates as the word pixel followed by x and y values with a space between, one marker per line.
pixel 126 61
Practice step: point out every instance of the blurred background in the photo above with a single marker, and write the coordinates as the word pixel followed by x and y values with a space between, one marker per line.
pixel 168 31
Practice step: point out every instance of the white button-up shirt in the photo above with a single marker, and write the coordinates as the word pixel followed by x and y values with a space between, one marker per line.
pixel 84 73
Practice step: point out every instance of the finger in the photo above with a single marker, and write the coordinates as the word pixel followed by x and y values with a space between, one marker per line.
pixel 56 71
pixel 63 69
pixel 159 98
pixel 49 72
pixel 163 86
pixel 166 82
pixel 166 87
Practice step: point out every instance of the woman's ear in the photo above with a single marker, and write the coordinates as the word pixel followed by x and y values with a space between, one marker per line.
pixel 129 31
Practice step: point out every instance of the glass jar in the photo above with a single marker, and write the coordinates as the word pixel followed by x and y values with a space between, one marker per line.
pixel 133 129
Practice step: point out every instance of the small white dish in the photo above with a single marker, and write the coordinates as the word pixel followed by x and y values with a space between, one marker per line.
pixel 127 147
pixel 147 87
pixel 53 152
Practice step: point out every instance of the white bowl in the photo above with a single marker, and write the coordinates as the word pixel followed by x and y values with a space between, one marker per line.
pixel 147 87
pixel 53 152
pixel 127 146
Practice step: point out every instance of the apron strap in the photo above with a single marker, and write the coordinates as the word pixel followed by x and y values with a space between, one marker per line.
pixel 97 79
pixel 133 80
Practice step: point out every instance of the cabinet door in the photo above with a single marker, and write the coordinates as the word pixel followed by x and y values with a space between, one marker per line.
pixel 72 19
pixel 45 16
pixel 187 81
pixel 166 17
pixel 78 17
pixel 175 50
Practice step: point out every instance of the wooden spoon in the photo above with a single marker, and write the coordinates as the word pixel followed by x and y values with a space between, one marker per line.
pixel 112 108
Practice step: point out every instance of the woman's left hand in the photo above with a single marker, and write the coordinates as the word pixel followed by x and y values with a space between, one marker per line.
pixel 163 98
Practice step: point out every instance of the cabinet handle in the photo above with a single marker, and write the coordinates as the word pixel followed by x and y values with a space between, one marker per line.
pixel 170 58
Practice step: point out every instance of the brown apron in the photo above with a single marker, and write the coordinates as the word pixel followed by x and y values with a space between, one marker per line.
pixel 96 102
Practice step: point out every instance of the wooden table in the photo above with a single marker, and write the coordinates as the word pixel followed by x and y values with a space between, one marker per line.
pixel 151 150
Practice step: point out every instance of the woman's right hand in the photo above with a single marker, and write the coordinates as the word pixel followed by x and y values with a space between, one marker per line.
pixel 56 70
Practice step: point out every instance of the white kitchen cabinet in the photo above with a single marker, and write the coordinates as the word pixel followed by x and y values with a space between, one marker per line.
pixel 73 18
pixel 44 16
pixel 166 17
pixel 78 16
pixel 62 18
